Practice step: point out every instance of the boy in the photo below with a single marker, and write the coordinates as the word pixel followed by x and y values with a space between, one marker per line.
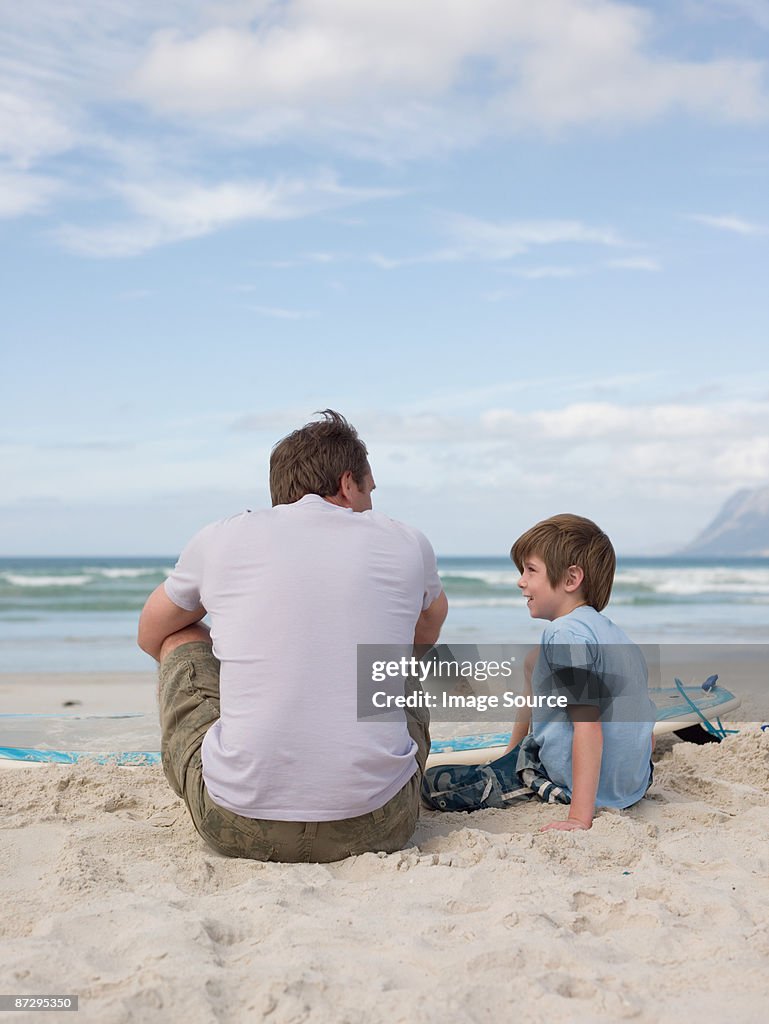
pixel 597 749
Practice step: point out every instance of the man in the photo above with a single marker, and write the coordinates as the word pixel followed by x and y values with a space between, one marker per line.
pixel 280 768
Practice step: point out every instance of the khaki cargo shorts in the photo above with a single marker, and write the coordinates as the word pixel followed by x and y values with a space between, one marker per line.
pixel 189 705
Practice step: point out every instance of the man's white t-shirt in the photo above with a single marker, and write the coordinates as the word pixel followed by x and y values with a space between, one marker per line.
pixel 290 592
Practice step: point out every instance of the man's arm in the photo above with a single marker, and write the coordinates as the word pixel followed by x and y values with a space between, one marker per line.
pixel 160 618
pixel 586 754
pixel 428 627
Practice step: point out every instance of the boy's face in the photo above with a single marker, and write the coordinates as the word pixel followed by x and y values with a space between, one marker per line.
pixel 544 600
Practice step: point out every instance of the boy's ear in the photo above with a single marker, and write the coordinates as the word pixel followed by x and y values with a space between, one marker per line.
pixel 575 574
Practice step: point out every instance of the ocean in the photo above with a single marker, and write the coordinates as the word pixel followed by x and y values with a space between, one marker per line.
pixel 80 614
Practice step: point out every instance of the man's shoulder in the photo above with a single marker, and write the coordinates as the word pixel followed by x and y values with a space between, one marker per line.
pixel 220 528
pixel 396 526
pixel 227 522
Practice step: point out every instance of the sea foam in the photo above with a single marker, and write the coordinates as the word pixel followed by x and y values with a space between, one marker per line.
pixel 17 580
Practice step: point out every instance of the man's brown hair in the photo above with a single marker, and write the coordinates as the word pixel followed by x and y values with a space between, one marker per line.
pixel 565 540
pixel 313 459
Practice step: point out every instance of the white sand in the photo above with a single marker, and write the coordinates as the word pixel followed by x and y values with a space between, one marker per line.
pixel 91 692
pixel 660 913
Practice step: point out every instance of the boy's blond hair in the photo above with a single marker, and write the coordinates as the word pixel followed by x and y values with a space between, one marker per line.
pixel 565 540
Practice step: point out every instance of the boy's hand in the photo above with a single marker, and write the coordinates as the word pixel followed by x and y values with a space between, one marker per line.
pixel 570 825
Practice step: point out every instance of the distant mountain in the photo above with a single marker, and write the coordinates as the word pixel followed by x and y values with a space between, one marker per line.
pixel 741 528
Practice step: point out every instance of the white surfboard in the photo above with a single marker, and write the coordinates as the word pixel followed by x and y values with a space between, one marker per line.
pixel 133 739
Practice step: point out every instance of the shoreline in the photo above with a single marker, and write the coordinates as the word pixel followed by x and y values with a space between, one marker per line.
pixel 127 691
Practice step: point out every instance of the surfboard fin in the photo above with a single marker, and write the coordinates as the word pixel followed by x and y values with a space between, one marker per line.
pixel 708 732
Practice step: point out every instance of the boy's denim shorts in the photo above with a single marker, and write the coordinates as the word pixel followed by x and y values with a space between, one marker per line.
pixel 463 787
pixel 189 705
pixel 460 787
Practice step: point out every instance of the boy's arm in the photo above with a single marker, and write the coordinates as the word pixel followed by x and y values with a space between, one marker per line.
pixel 523 718
pixel 586 754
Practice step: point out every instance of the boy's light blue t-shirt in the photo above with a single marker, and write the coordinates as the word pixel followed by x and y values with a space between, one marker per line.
pixel 585 654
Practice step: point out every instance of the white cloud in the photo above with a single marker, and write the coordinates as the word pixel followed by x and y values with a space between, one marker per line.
pixel 377 259
pixel 737 225
pixel 653 473
pixel 570 89
pixel 669 448
pixel 30 128
pixel 672 443
pixel 25 193
pixel 606 421
pixel 634 263
pixel 185 206
pixel 389 79
pixel 505 239
pixel 317 52
pixel 60 61
pixel 473 239
pixel 756 11
pixel 648 469
pixel 549 273
pixel 128 239
pixel 317 66
pixel 303 259
pixel 170 211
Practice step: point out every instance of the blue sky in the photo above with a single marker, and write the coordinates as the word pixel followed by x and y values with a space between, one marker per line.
pixel 523 247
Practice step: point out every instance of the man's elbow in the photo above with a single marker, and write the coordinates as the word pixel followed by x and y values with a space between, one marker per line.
pixel 147 642
pixel 149 648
